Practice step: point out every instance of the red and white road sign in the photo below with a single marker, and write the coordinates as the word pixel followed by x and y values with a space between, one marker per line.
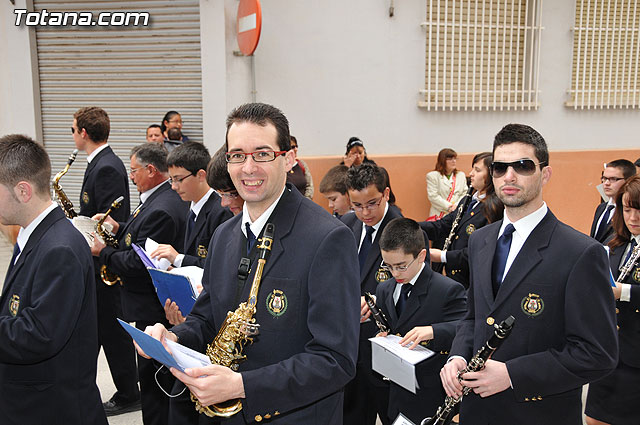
pixel 249 25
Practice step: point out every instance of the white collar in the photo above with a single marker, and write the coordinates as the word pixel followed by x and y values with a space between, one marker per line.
pixel 25 232
pixel 526 224
pixel 256 226
pixel 96 152
pixel 145 195
pixel 197 207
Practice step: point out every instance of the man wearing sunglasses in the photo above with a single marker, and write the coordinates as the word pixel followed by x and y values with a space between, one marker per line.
pixel 613 177
pixel 555 282
pixel 368 192
pixel 307 303
pixel 105 179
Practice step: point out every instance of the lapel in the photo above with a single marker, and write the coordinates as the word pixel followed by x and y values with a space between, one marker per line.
pixel 599 210
pixel 374 253
pixel 615 258
pixel 33 241
pixel 91 165
pixel 528 257
pixel 163 187
pixel 201 221
pixel 390 307
pixel 418 292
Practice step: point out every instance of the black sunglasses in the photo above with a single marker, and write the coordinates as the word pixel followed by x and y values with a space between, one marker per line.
pixel 524 167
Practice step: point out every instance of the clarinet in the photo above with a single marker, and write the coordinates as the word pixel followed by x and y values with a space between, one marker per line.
pixel 462 206
pixel 445 412
pixel 378 315
pixel 628 266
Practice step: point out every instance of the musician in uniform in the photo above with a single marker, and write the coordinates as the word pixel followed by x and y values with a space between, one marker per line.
pixel 614 399
pixel 369 193
pixel 49 350
pixel 484 207
pixel 161 217
pixel 307 304
pixel 423 307
pixel 554 280
pixel 105 179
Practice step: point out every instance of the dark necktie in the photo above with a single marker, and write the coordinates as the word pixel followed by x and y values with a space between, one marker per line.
pixel 191 222
pixel 471 205
pixel 251 238
pixel 16 252
pixel 404 296
pixel 626 259
pixel 604 224
pixel 500 257
pixel 365 247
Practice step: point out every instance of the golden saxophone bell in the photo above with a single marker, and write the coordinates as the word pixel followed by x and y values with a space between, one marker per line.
pixel 108 278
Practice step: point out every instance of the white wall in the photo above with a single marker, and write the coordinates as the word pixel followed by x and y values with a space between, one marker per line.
pixel 341 68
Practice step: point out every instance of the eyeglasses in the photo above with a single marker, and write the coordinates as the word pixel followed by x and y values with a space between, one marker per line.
pixel 604 179
pixel 229 195
pixel 294 146
pixel 258 156
pixel 133 170
pixel 524 167
pixel 369 207
pixel 177 180
pixel 389 268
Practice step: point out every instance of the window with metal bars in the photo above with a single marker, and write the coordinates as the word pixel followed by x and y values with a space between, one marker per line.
pixel 482 55
pixel 606 52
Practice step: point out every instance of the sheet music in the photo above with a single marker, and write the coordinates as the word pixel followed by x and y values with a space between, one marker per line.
pixel 149 246
pixel 193 273
pixel 87 226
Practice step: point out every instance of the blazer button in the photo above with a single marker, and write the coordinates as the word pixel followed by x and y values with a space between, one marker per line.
pixel 267 416
pixel 526 399
pixel 276 413
pixel 618 310
pixel 258 418
pixel 457 237
pixel 453 272
pixel 490 321
pixel 637 311
pixel 539 397
pixel 617 327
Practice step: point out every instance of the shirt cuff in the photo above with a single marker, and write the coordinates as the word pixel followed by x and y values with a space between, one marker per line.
pixel 443 257
pixel 626 292
pixel 178 261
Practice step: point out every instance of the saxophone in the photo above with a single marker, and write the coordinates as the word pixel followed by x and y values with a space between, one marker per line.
pixel 236 331
pixel 109 239
pixel 628 266
pixel 445 413
pixel 462 206
pixel 63 200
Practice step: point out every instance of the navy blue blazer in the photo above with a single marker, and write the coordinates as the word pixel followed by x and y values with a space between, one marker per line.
pixel 308 310
pixel 105 179
pixel 48 327
pixel 161 218
pixel 564 336
pixel 457 265
pixel 436 301
pixel 210 217
pixel 628 312
pixel 609 232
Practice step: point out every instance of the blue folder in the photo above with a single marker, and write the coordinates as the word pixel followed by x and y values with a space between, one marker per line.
pixel 173 286
pixel 151 346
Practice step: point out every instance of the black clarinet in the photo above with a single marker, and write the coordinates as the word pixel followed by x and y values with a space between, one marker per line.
pixel 378 315
pixel 446 412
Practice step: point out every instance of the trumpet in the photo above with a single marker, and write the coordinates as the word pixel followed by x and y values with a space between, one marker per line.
pixel 109 278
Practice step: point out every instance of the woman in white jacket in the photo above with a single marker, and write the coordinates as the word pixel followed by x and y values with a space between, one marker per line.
pixel 445 185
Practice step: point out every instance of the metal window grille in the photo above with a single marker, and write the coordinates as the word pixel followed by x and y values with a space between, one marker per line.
pixel 482 55
pixel 606 53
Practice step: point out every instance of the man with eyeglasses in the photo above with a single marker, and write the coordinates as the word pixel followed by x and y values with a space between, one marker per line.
pixel 613 177
pixel 423 307
pixel 367 395
pixel 160 216
pixel 105 179
pixel 307 303
pixel 554 280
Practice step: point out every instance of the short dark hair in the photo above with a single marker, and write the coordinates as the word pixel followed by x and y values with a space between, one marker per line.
pixel 520 133
pixel 218 176
pixel 174 134
pixel 624 165
pixel 335 180
pixel 361 176
pixel 403 234
pixel 632 188
pixel 167 117
pixel 192 156
pixel 151 153
pixel 637 163
pixel 23 159
pixel 441 162
pixel 95 121
pixel 261 114
pixel 154 126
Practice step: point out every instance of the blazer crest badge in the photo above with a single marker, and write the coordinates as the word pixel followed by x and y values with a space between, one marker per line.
pixel 532 305
pixel 277 303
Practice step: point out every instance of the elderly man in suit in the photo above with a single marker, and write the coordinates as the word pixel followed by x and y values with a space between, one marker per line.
pixel 307 303
pixel 553 280
pixel 161 217
pixel 48 319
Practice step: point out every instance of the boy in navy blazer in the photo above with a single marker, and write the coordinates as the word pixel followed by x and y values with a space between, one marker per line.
pixel 422 306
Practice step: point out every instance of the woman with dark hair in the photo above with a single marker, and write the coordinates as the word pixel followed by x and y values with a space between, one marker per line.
pixel 614 399
pixel 356 154
pixel 483 208
pixel 172 119
pixel 445 185
pixel 300 175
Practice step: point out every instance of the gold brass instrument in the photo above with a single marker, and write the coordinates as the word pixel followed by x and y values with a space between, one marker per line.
pixel 63 200
pixel 628 266
pixel 109 278
pixel 462 206
pixel 236 331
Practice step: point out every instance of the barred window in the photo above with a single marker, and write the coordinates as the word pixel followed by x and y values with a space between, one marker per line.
pixel 482 55
pixel 605 55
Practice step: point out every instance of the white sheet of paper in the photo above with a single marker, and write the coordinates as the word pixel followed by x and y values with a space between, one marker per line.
pixel 149 246
pixel 193 273
pixel 396 362
pixel 402 420
pixel 186 357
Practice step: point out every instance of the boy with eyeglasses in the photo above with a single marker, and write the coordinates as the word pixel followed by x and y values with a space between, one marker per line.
pixel 613 177
pixel 422 306
pixel 368 192
pixel 219 179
